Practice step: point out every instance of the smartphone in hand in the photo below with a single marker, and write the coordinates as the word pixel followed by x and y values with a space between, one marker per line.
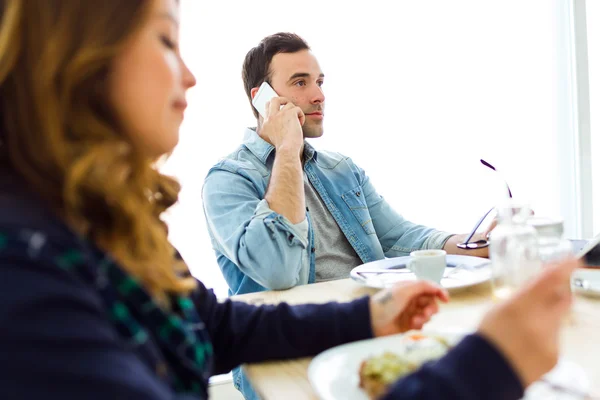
pixel 263 96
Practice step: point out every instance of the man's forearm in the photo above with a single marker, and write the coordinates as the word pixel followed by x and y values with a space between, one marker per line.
pixel 285 193
pixel 451 248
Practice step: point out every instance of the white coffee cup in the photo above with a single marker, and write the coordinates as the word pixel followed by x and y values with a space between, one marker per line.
pixel 428 264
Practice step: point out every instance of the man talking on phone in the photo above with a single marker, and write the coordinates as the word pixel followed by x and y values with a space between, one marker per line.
pixel 282 214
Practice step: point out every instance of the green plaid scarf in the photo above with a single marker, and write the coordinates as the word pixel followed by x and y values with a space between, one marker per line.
pixel 176 344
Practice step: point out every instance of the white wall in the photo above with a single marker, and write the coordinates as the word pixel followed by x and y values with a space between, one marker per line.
pixel 417 92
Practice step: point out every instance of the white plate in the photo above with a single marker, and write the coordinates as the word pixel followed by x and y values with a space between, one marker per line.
pixel 476 270
pixel 333 374
pixel 586 281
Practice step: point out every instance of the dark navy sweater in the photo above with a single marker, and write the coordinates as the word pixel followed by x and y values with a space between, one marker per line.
pixel 56 341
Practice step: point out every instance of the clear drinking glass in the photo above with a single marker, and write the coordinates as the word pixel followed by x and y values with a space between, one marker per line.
pixel 513 250
pixel 552 247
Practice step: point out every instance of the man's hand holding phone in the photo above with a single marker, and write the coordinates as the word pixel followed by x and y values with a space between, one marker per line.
pixel 281 126
pixel 282 120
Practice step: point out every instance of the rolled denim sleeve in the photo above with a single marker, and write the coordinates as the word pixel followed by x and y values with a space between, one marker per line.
pixel 263 244
pixel 300 229
pixel 397 235
pixel 437 240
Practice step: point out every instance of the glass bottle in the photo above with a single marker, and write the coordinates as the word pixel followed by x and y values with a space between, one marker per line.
pixel 513 249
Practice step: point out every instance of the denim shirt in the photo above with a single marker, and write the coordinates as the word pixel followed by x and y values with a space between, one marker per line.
pixel 258 249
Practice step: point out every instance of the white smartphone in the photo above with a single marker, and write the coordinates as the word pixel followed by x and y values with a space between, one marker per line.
pixel 590 253
pixel 265 94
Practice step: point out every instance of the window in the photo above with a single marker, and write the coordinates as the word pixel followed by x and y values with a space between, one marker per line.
pixel 592 9
pixel 417 92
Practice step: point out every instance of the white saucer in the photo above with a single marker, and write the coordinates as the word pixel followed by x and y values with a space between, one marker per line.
pixel 473 271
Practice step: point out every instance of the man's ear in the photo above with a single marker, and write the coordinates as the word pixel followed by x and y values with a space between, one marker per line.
pixel 253 92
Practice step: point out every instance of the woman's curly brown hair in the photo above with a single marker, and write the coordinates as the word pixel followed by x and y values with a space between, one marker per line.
pixel 59 133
